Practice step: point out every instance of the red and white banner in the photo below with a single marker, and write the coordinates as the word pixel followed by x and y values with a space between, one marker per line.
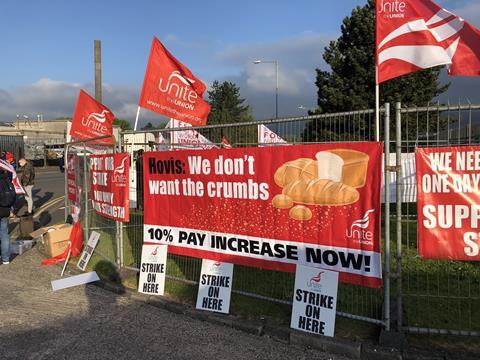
pixel 4 165
pixel 92 119
pixel 71 178
pixel 170 88
pixel 448 181
pixel 417 34
pixel 109 185
pixel 225 144
pixel 187 139
pixel 271 207
pixel 267 136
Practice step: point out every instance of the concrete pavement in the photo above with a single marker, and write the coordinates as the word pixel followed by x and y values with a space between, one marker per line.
pixel 88 322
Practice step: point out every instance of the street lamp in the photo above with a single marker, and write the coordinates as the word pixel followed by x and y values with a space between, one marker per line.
pixel 256 62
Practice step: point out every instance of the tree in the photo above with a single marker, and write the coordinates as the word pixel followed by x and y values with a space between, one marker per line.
pixel 149 126
pixel 124 124
pixel 226 104
pixel 227 107
pixel 350 85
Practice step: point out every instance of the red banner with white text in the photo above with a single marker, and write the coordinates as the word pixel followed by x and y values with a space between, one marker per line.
pixel 109 185
pixel 273 208
pixel 71 178
pixel 448 202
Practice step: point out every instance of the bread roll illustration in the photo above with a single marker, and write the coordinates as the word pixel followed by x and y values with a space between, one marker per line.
pixel 290 171
pixel 282 201
pixel 321 192
pixel 354 167
pixel 300 212
pixel 330 166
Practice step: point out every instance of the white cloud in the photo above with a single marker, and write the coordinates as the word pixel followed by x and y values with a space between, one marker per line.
pixel 54 99
pixel 298 57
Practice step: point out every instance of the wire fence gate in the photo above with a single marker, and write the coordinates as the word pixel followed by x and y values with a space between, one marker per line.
pixel 419 296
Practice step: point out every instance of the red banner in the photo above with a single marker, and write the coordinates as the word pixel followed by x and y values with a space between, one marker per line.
pixel 109 185
pixel 274 208
pixel 71 178
pixel 92 120
pixel 448 202
pixel 170 88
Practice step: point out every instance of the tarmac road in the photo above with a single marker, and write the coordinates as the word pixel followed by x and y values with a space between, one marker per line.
pixel 88 322
pixel 48 193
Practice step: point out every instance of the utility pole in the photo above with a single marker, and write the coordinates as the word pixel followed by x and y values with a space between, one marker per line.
pixel 98 70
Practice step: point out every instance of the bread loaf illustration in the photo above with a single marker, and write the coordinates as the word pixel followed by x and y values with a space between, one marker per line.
pixel 321 192
pixel 340 165
pixel 329 180
pixel 355 164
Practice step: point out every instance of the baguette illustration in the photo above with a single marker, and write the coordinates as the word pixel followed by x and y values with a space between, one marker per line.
pixel 321 192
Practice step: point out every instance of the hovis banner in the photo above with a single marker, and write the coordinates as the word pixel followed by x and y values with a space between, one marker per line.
pixel 448 202
pixel 270 207
pixel 92 120
pixel 109 185
pixel 170 88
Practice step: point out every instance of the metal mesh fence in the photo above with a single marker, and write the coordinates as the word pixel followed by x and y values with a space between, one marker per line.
pixel 77 157
pixel 438 296
pixel 354 301
pixel 427 296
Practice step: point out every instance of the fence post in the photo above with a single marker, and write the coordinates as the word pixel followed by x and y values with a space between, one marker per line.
pixel 119 223
pixel 85 191
pixel 65 166
pixel 398 148
pixel 386 287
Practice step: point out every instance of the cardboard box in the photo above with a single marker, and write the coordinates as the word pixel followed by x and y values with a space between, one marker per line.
pixel 55 238
pixel 26 225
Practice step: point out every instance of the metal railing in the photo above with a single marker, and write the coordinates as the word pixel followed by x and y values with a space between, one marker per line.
pixel 438 297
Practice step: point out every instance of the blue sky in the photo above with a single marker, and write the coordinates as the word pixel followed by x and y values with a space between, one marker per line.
pixel 46 49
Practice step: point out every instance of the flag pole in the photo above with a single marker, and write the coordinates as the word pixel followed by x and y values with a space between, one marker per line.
pixel 136 119
pixel 377 106
pixel 66 260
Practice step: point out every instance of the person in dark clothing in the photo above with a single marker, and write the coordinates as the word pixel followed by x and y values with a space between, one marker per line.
pixel 7 198
pixel 61 164
pixel 139 172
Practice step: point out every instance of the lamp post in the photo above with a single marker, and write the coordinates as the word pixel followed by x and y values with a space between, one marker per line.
pixel 276 81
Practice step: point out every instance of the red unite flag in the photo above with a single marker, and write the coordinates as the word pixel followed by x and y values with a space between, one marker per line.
pixel 92 120
pixel 418 34
pixel 170 88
